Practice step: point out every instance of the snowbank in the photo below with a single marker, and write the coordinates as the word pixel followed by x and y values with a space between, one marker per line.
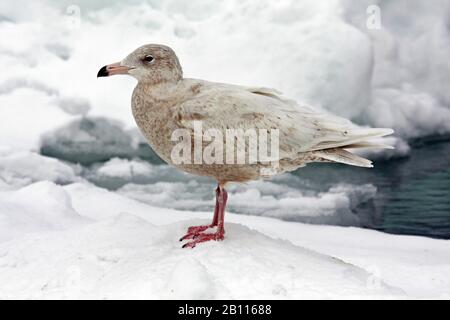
pixel 127 257
pixel 318 53
pixel 40 207
pixel 25 114
pixel 411 70
pixel 21 168
pixel 109 246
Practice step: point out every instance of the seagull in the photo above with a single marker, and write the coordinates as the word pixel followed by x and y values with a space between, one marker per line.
pixel 164 104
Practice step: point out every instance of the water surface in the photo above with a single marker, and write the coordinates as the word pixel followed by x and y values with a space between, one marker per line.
pixel 413 194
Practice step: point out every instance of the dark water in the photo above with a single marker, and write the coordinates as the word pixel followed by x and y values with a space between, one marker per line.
pixel 413 193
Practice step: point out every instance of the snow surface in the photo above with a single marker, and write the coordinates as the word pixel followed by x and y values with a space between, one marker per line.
pixel 85 242
pixel 64 236
pixel 20 168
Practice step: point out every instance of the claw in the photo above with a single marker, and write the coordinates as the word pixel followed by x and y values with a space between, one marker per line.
pixel 204 237
pixel 188 236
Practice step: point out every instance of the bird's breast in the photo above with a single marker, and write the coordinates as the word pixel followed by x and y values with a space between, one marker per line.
pixel 156 122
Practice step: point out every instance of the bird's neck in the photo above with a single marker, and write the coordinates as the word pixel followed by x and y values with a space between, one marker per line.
pixel 158 91
pixel 156 96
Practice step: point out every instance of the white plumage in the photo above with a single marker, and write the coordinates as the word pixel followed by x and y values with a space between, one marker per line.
pixel 302 128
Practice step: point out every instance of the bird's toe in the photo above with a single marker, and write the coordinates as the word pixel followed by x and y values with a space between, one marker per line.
pixel 204 237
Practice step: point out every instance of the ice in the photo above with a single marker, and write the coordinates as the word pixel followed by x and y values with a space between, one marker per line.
pixel 283 198
pixel 115 168
pixel 21 168
pixel 411 68
pixel 401 149
pixel 117 173
pixel 89 140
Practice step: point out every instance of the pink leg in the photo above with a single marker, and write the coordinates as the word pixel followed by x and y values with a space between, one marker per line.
pixel 216 208
pixel 192 232
pixel 219 215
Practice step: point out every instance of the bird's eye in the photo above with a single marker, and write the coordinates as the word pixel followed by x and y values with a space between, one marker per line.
pixel 148 58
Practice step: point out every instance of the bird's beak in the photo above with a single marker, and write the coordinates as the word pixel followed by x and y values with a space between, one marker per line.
pixel 113 69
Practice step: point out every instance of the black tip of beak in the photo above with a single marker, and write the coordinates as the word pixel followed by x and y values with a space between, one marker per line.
pixel 102 72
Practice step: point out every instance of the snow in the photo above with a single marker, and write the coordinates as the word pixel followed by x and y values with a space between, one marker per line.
pixel 95 244
pixel 317 53
pixel 64 235
pixel 20 168
pixel 26 114
pixel 42 206
pixel 115 168
pixel 410 72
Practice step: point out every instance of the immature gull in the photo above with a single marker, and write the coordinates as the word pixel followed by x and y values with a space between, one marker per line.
pixel 171 110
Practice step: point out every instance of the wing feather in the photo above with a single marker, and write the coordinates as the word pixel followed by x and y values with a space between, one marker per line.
pixel 302 128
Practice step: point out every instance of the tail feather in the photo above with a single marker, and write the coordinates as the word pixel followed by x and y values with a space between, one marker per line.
pixel 343 156
pixel 353 137
pixel 368 144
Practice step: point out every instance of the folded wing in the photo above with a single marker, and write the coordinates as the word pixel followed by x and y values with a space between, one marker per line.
pixel 302 128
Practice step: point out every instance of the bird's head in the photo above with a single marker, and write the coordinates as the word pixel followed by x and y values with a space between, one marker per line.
pixel 151 63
